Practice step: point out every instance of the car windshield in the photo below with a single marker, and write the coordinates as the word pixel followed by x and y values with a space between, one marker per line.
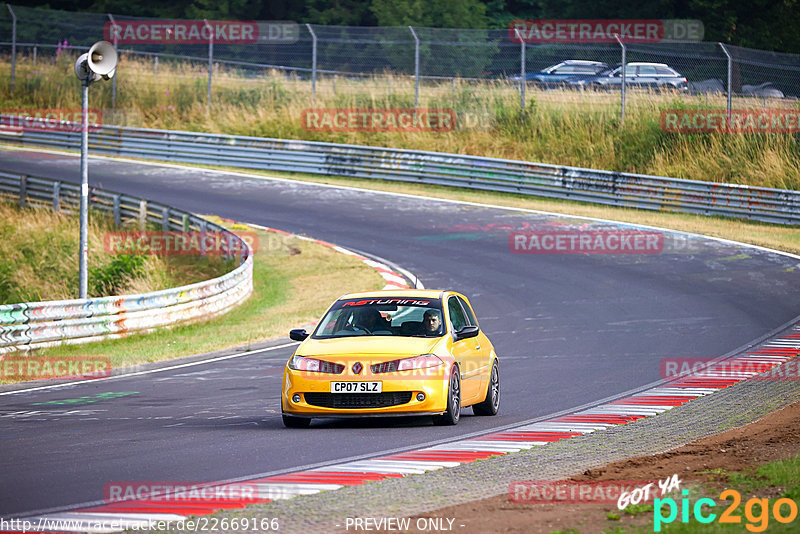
pixel 393 316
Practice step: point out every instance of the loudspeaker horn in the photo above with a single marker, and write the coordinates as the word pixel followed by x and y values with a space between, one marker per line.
pixel 99 62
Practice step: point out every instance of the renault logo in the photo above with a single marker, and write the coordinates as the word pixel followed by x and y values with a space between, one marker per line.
pixel 357 367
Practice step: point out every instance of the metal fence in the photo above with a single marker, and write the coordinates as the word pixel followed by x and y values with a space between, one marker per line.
pixel 454 170
pixel 424 53
pixel 30 325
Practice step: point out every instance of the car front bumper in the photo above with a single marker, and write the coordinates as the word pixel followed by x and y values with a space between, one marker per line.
pixel 398 394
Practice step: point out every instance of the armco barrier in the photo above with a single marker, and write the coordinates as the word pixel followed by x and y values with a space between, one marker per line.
pixel 473 172
pixel 41 324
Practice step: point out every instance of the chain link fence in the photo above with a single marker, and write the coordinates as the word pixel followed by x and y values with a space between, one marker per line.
pixel 430 56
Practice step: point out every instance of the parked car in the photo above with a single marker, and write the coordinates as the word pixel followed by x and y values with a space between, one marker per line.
pixel 711 85
pixel 559 74
pixel 766 89
pixel 655 75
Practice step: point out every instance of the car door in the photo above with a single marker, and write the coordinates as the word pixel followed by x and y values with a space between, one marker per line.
pixel 646 76
pixel 667 77
pixel 615 78
pixel 467 352
pixel 483 357
pixel 562 73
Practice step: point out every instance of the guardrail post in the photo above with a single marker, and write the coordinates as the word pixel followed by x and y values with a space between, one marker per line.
pixel 116 211
pixel 114 79
pixel 142 215
pixel 203 231
pixel 313 64
pixel 56 196
pixel 228 247
pixel 35 53
pixel 416 67
pixel 23 191
pixel 622 84
pixel 165 219
pixel 185 222
pixel 730 81
pixel 522 81
pixel 13 47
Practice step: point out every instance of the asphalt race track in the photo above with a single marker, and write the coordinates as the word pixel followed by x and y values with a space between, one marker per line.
pixel 570 329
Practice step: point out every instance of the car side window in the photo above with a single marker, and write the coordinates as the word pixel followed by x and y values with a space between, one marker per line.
pixel 664 71
pixel 470 316
pixel 457 318
pixel 647 70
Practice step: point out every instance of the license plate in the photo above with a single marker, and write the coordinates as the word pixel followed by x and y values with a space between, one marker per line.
pixel 356 387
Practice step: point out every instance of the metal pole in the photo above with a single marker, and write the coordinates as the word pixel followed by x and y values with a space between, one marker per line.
pixel 523 75
pixel 416 67
pixel 622 85
pixel 210 61
pixel 313 63
pixel 114 80
pixel 13 47
pixel 730 82
pixel 84 233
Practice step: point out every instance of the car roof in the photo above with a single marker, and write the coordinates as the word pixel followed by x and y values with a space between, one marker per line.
pixel 639 63
pixel 407 293
pixel 581 62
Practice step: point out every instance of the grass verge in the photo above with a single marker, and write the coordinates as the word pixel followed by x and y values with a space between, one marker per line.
pixel 751 507
pixel 577 128
pixel 294 281
pixel 39 259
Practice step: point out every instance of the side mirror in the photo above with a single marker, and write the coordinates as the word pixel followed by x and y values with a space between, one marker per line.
pixel 298 334
pixel 467 332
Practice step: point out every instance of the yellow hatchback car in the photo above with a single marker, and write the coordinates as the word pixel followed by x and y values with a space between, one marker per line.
pixel 392 353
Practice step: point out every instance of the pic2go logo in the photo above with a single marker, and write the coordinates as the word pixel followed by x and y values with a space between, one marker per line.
pixel 756 511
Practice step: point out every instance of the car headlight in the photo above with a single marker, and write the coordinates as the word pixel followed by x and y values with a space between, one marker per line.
pixel 423 361
pixel 301 363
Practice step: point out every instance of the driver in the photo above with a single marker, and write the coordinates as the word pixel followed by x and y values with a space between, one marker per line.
pixel 370 320
pixel 432 323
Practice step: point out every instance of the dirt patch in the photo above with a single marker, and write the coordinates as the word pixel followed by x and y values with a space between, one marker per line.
pixel 774 437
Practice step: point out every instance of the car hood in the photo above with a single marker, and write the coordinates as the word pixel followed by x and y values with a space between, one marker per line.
pixel 377 347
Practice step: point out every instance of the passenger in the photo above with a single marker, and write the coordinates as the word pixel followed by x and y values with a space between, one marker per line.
pixel 432 323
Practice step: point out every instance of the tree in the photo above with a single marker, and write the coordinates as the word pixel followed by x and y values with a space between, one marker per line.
pixel 432 14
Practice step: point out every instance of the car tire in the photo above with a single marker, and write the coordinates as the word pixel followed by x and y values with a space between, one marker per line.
pixel 491 404
pixel 290 421
pixel 453 413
